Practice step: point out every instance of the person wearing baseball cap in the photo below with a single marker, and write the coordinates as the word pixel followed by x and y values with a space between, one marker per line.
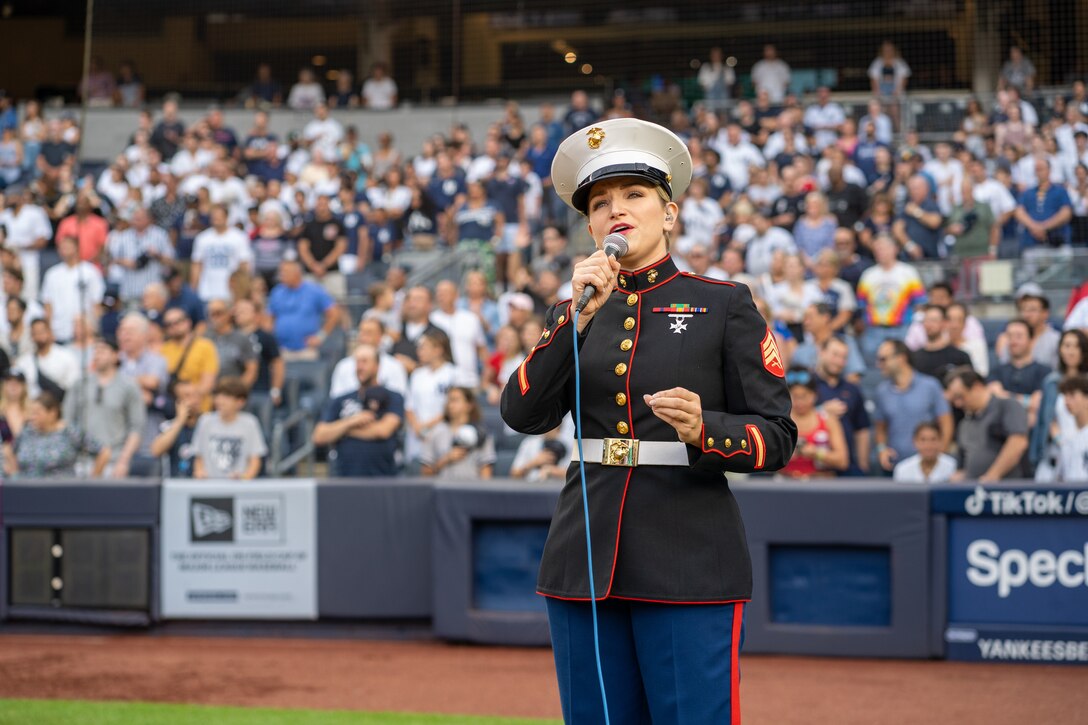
pixel 681 382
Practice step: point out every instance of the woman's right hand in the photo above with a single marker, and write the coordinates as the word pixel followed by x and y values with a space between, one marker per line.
pixel 599 270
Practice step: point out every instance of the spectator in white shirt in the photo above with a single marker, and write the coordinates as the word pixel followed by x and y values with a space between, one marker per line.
pixel 307 94
pixel 701 216
pixel 929 464
pixel 992 192
pixel 427 388
pixel 761 248
pixel 717 79
pixel 324 133
pixel 54 361
pixel 771 74
pixel 113 184
pixel 947 171
pixel 825 118
pixel 1073 437
pixel 71 288
pixel 191 159
pixel 391 373
pixel 466 333
pixel 138 255
pixel 28 231
pixel 379 90
pixel 218 252
pixel 737 155
pixel 882 123
pixel 888 73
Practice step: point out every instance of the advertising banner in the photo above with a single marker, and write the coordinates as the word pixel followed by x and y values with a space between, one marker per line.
pixel 1018 571
pixel 239 550
pixel 985 644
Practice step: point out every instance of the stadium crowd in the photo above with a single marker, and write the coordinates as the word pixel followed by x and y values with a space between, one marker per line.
pixel 209 280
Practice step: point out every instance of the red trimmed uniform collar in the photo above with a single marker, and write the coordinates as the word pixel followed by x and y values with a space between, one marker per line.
pixel 642 279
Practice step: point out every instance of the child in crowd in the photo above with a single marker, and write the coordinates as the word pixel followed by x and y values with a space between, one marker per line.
pixel 228 442
pixel 459 447
pixel 928 465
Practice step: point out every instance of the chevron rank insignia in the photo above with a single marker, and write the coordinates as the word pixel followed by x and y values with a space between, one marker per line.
pixel 772 360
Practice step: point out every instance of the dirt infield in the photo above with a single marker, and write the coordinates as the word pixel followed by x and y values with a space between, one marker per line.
pixel 432 677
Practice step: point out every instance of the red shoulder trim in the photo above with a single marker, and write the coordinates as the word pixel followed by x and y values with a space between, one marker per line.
pixel 701 278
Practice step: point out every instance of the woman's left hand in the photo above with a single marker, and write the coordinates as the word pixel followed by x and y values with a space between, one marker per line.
pixel 680 408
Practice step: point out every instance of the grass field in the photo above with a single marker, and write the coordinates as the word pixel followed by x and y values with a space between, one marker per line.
pixel 70 712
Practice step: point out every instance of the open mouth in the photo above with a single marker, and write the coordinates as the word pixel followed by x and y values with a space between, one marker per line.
pixel 620 228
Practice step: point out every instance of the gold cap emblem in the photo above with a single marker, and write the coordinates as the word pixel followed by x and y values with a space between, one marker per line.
pixel 596 135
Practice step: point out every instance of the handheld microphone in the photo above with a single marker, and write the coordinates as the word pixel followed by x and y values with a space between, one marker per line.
pixel 615 245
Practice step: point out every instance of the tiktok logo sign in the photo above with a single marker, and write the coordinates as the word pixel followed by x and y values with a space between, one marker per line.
pixel 985 502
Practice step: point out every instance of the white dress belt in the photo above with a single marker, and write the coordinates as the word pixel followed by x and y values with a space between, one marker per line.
pixel 644 453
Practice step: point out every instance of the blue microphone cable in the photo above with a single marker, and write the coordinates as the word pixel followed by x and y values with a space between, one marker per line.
pixel 585 509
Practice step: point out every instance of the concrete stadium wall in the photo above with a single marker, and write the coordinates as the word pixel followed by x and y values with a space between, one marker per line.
pixel 108 129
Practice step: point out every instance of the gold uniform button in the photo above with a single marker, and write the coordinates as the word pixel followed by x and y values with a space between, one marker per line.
pixel 621 399
pixel 728 443
pixel 621 368
pixel 709 442
pixel 547 334
pixel 632 299
pixel 626 345
pixel 622 428
pixel 744 444
pixel 629 323
pixel 562 319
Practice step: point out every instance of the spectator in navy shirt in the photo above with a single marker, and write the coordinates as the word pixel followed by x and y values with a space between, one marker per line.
pixel 363 424
pixel 446 190
pixel 166 136
pixel 581 114
pixel 918 228
pixel 263 89
pixel 183 297
pixel 865 152
pixel 257 145
pixel 718 186
pixel 176 436
pixel 1021 377
pixel 843 399
pixel 507 194
pixel 1044 212
pixel 221 134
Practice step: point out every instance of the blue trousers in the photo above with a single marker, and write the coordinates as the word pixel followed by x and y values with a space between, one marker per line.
pixel 666 664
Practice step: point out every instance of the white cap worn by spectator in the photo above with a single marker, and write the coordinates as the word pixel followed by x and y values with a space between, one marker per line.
pixel 1029 289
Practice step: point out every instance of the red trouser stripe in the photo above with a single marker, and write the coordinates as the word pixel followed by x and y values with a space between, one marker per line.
pixel 734 664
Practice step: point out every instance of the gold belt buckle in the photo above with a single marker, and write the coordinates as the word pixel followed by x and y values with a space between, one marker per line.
pixel 620 452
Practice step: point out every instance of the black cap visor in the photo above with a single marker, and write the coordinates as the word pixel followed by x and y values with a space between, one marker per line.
pixel 580 198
